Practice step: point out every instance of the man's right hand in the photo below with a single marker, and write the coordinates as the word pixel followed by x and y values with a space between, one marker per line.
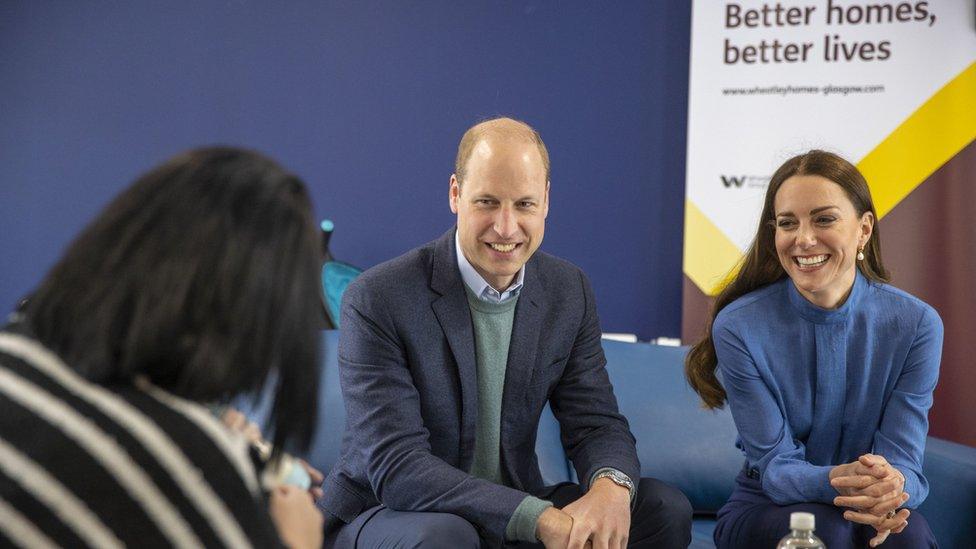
pixel 553 528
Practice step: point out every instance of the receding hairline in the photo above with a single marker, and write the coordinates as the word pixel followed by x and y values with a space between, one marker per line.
pixel 501 128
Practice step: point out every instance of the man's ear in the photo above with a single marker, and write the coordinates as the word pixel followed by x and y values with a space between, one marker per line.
pixel 545 202
pixel 454 194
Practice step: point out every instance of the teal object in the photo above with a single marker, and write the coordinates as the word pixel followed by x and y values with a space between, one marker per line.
pixel 297 476
pixel 336 276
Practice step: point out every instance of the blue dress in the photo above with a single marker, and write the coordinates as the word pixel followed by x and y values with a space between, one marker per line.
pixel 811 388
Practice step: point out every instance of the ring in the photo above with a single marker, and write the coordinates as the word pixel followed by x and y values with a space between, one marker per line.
pixel 891 514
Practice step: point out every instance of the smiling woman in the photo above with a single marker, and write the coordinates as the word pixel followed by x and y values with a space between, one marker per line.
pixel 818 233
pixel 828 370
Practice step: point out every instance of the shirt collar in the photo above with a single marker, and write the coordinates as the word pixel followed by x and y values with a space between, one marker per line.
pixel 819 315
pixel 478 285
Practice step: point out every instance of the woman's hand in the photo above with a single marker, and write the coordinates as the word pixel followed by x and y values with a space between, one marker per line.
pixel 298 522
pixel 883 525
pixel 869 484
pixel 236 421
pixel 315 489
pixel 873 489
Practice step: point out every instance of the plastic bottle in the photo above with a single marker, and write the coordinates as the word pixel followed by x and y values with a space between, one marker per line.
pixel 801 533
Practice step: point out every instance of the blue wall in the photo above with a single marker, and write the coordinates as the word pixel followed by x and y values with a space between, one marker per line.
pixel 366 101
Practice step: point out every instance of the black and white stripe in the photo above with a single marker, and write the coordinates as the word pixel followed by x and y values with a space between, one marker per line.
pixel 49 403
pixel 21 530
pixel 45 488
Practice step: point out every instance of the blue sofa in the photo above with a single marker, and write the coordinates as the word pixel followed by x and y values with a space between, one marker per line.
pixel 680 442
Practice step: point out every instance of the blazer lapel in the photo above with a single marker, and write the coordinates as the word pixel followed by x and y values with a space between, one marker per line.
pixel 454 316
pixel 522 351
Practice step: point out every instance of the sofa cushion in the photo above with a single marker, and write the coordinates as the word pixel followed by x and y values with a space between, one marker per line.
pixel 950 507
pixel 678 441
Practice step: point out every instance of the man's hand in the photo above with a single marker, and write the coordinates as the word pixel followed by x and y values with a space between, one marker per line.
pixel 874 490
pixel 601 516
pixel 553 528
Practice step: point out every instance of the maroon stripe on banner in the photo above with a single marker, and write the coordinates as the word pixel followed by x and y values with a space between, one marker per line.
pixel 929 245
pixel 695 306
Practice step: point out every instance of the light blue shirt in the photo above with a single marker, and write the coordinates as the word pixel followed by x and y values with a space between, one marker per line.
pixel 811 388
pixel 479 286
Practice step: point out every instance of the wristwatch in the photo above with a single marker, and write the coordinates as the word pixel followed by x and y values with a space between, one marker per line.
pixel 618 478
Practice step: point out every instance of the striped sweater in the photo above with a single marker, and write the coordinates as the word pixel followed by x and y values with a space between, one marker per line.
pixel 86 465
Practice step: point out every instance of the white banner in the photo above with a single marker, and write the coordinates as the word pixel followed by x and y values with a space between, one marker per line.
pixel 890 86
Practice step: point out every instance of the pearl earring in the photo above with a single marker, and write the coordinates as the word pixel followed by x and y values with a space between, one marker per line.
pixel 860 254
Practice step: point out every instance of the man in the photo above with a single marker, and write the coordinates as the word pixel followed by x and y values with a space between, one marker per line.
pixel 448 355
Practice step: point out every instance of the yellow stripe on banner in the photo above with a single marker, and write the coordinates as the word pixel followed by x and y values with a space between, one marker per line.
pixel 926 140
pixel 919 146
pixel 709 254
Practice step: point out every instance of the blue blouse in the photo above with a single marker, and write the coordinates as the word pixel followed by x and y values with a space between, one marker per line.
pixel 811 388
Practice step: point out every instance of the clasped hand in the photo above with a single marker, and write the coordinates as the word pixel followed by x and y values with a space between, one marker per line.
pixel 873 490
pixel 598 520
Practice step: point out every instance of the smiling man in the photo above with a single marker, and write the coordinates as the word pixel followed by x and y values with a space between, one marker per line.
pixel 448 355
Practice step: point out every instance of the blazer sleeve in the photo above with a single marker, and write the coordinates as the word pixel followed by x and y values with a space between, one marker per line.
pixel 384 421
pixel 764 434
pixel 594 433
pixel 900 437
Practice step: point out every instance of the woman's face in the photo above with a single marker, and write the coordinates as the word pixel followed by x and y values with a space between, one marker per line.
pixel 818 234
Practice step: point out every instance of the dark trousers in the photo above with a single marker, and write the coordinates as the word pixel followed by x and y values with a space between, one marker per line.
pixel 750 519
pixel 661 517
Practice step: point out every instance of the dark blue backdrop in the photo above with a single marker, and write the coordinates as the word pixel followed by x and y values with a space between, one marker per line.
pixel 366 101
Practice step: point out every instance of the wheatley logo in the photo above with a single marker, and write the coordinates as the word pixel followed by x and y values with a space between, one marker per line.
pixel 740 181
pixel 733 181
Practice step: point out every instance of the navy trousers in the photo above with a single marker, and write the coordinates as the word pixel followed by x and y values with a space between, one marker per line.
pixel 750 519
pixel 661 517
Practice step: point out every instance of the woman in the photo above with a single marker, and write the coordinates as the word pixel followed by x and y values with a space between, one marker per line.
pixel 828 370
pixel 192 285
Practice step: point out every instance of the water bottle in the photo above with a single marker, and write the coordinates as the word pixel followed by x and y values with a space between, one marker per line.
pixel 801 533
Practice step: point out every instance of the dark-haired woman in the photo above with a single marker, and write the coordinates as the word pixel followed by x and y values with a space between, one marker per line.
pixel 828 370
pixel 189 288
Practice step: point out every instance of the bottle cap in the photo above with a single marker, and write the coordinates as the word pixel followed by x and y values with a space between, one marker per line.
pixel 801 521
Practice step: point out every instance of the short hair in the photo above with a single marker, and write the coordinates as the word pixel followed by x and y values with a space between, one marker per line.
pixel 202 276
pixel 498 126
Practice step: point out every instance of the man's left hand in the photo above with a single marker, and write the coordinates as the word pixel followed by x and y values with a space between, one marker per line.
pixel 601 516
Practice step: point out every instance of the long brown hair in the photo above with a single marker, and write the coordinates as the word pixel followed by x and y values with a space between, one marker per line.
pixel 760 265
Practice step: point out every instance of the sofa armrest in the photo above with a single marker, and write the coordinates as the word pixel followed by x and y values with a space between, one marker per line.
pixel 950 508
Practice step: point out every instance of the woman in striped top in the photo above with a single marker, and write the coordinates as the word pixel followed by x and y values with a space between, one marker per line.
pixel 189 289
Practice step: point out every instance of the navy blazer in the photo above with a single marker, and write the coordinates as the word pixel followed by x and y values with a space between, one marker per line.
pixel 409 381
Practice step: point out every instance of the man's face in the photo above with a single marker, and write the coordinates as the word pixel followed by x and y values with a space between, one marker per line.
pixel 501 208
